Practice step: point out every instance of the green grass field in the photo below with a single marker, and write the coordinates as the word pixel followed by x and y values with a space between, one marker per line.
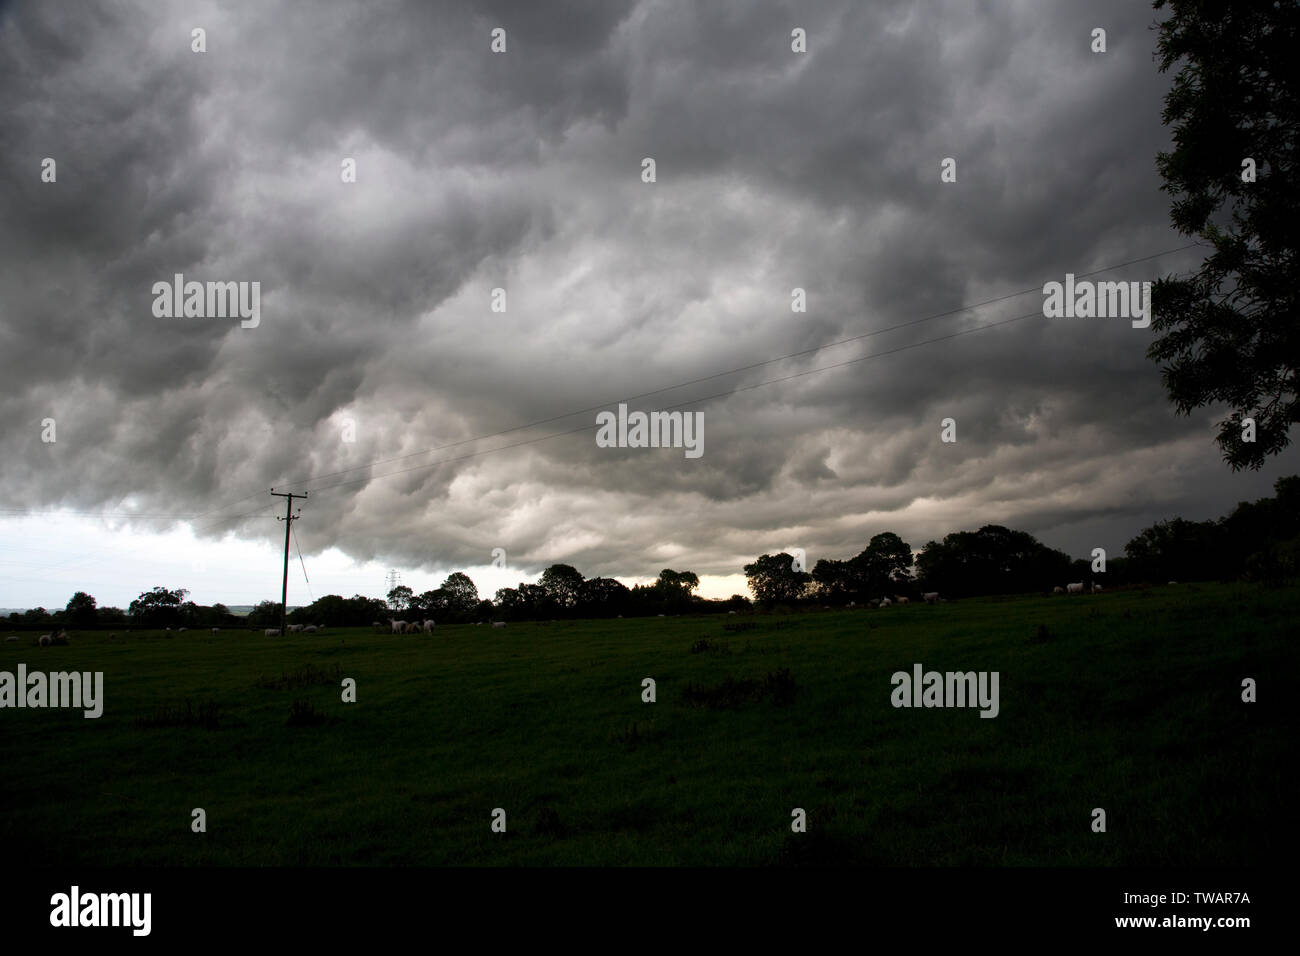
pixel 1133 704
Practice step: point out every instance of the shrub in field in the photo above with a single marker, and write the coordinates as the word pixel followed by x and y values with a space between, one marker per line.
pixel 778 686
pixel 186 713
pixel 704 645
pixel 636 733
pixel 309 675
pixel 303 714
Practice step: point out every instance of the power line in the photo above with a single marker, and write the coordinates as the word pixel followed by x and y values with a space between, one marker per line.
pixel 733 371
pixel 630 398
pixel 306 579
pixel 690 401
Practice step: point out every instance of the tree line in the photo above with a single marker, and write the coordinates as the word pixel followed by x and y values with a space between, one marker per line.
pixel 1257 541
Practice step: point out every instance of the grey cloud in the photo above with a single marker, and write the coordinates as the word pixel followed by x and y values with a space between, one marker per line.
pixel 522 171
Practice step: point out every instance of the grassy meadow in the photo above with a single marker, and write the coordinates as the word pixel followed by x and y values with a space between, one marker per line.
pixel 1130 702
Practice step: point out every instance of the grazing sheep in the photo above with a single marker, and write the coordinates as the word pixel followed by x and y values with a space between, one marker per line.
pixel 498 623
pixel 731 612
pixel 1173 582
pixel 885 602
pixel 853 604
pixel 1075 588
pixel 214 631
pixel 428 627
pixel 310 629
pixel 271 632
pixel 1058 590
pixel 296 628
pixel 181 629
pixel 1096 588
pixel 45 640
pixel 930 597
pixel 11 639
pixel 901 600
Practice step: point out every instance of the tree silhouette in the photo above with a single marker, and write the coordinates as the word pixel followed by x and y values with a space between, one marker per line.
pixel 1231 331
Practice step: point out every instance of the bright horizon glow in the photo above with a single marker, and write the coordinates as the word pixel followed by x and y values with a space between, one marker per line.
pixel 38 568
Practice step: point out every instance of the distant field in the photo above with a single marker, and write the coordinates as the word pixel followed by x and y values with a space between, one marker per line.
pixel 1132 704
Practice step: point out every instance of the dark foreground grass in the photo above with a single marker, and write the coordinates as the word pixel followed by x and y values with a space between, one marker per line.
pixel 1126 701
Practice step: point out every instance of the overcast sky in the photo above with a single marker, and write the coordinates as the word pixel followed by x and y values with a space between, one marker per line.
pixel 522 170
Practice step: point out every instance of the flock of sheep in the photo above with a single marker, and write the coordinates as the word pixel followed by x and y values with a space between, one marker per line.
pixel 405 627
pixel 291 629
pixel 929 597
pixel 1075 588
pixel 53 639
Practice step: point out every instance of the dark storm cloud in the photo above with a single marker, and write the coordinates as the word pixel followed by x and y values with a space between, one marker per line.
pixel 522 171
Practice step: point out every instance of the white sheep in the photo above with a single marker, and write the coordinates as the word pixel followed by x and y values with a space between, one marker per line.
pixel 310 629
pixel 214 631
pixel 181 629
pixel 272 632
pixel 46 639
pixel 930 597
pixel 1075 588
pixel 399 627
pixel 1095 587
pixel 11 639
pixel 901 600
pixel 428 627
pixel 498 623
pixel 1173 582
pixel 296 628
pixel 1058 590
pixel 885 602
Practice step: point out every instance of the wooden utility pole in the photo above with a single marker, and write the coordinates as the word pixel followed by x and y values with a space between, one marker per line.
pixel 288 518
